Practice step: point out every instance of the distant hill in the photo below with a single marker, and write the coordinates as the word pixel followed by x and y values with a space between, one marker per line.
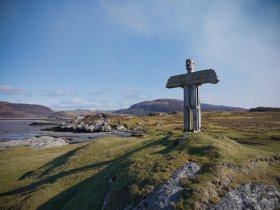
pixel 169 106
pixel 70 114
pixel 211 107
pixel 264 109
pixel 14 110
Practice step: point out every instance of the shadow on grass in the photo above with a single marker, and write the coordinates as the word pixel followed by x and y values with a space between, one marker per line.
pixel 249 142
pixel 169 145
pixel 208 150
pixel 53 178
pixel 91 185
pixel 56 162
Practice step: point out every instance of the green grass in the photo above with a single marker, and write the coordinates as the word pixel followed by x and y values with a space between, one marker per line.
pixel 76 176
pixel 225 165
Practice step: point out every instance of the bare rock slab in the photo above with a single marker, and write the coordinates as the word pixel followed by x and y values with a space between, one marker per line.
pixel 36 142
pixel 165 195
pixel 250 196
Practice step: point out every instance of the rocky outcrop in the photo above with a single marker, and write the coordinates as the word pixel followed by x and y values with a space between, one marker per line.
pixel 35 142
pixel 91 124
pixel 250 196
pixel 164 196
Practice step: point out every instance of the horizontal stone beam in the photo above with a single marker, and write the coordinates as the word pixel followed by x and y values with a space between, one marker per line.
pixel 197 77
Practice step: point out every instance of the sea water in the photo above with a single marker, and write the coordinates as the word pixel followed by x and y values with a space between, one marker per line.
pixel 19 129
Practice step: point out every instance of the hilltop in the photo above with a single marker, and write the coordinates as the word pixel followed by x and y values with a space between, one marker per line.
pixel 170 106
pixel 18 110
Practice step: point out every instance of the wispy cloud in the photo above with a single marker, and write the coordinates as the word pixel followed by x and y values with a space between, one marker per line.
pixel 11 90
pixel 54 93
pixel 75 103
pixel 80 103
pixel 98 92
pixel 161 18
pixel 132 94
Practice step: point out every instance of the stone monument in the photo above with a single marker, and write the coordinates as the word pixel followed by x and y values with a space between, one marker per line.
pixel 190 83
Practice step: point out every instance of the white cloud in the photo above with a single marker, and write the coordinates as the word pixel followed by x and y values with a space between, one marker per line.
pixel 54 93
pixel 80 103
pixel 98 92
pixel 11 90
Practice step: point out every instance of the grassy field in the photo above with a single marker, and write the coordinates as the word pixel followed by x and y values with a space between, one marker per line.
pixel 233 149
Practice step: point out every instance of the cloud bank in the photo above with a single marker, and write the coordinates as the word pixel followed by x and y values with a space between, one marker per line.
pixel 55 93
pixel 11 90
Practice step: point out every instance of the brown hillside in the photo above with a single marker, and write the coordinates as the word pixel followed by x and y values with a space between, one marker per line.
pixel 12 110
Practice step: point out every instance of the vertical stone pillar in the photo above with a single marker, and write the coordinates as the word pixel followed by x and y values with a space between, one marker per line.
pixel 189 97
pixel 187 110
pixel 196 111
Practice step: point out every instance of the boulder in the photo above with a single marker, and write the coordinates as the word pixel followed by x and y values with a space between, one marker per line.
pixel 121 128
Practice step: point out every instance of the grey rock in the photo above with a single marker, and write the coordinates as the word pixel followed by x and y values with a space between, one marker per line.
pixel 78 119
pixel 91 124
pixel 164 196
pixel 69 126
pixel 36 142
pixel 250 196
pixel 90 128
pixel 121 128
pixel 137 134
pixel 79 128
pixel 99 123
pixel 43 122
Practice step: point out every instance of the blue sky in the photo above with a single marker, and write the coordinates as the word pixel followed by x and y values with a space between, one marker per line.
pixel 110 54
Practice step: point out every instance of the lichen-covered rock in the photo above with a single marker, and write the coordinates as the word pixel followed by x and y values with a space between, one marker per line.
pixel 164 196
pixel 250 196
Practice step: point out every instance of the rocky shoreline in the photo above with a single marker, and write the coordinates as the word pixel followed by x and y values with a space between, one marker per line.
pixel 35 142
pixel 90 124
pixel 82 129
pixel 99 123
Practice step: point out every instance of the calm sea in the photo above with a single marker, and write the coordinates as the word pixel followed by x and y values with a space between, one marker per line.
pixel 19 129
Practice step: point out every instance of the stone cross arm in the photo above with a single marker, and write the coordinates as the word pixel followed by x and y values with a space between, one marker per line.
pixel 198 78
